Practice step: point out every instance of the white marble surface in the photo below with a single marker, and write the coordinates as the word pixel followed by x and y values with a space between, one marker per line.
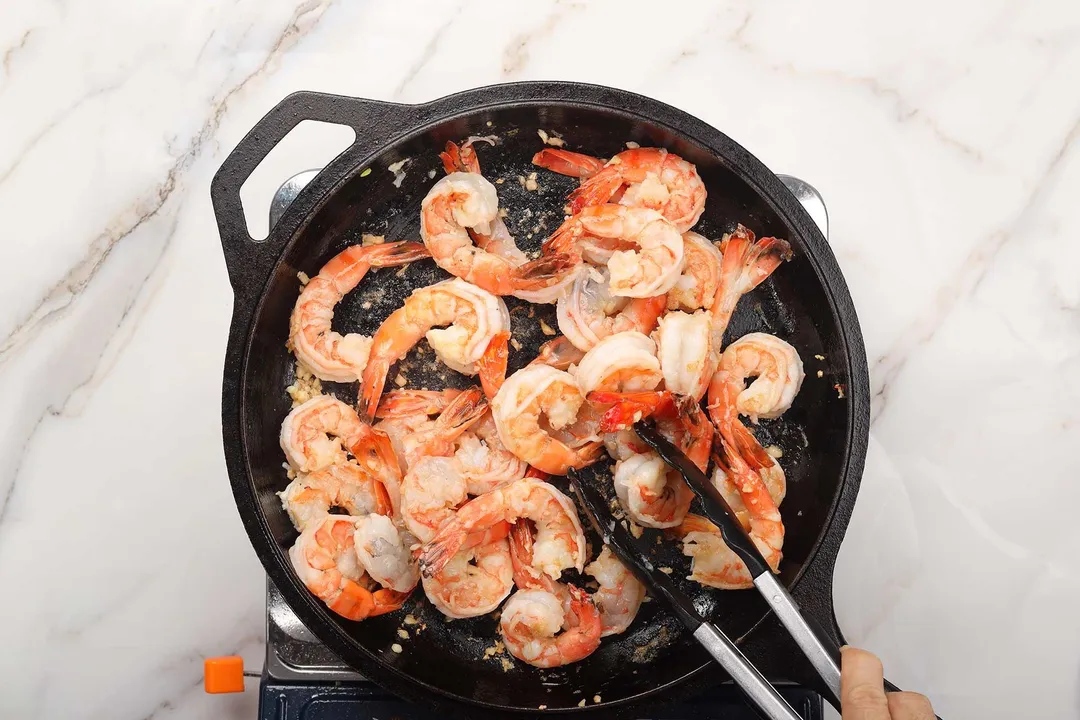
pixel 943 135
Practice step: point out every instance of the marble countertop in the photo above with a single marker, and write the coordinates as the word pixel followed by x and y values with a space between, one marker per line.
pixel 944 137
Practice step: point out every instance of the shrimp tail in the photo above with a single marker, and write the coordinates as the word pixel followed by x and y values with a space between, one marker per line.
pixel 452 538
pixel 492 364
pixel 405 403
pixel 545 271
pixel 526 576
pixel 386 601
pixel 627 408
pixel 559 353
pixel 396 253
pixel 371 388
pixel 597 190
pixel 563 242
pixel 565 162
pixel 749 448
pixel 459 159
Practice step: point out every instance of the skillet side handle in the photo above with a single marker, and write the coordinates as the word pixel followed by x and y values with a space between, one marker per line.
pixel 243 254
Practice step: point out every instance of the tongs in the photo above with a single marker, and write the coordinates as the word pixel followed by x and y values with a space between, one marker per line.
pixel 820 650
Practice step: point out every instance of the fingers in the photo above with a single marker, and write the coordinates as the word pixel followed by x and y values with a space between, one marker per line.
pixel 862 690
pixel 908 706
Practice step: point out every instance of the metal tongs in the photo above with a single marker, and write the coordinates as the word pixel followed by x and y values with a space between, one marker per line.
pixel 820 650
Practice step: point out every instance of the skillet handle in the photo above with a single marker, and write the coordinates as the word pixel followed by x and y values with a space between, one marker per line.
pixel 246 258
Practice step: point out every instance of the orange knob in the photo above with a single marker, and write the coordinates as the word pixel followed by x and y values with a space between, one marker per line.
pixel 223 674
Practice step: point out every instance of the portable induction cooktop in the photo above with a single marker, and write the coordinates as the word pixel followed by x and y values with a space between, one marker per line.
pixel 302 680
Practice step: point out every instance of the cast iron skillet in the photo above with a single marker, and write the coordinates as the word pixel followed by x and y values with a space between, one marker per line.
pixel 823 436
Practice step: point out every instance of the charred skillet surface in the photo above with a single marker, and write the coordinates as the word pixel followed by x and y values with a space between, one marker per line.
pixel 823 437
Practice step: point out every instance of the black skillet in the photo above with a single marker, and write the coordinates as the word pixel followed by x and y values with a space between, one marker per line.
pixel 823 437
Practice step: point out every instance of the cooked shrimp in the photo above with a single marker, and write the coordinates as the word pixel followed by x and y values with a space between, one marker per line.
pixel 329 355
pixel 317 433
pixel 588 312
pixel 696 287
pixel 475 341
pixel 309 497
pixel 501 243
pixel 678 419
pixel 754 486
pixel 747 263
pixel 568 163
pixel 767 469
pixel 324 558
pixel 532 625
pixel 383 551
pixel 687 355
pixel 431 490
pixel 484 462
pixel 652 494
pixel 776 368
pixel 560 542
pixel 473 583
pixel 649 178
pixel 648 255
pixel 466 200
pixel 526 396
pixel 559 353
pixel 714 563
pixel 620 594
pixel 623 362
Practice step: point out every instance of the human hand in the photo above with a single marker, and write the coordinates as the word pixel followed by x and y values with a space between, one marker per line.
pixel 863 696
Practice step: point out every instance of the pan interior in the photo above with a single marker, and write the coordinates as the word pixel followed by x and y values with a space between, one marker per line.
pixel 793 304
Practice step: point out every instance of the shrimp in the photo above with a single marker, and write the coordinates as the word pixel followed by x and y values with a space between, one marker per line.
pixel 559 353
pixel 466 200
pixel 499 241
pixel 649 178
pixel 687 355
pixel 678 419
pixel 696 287
pixel 324 558
pixel 317 434
pixel 568 163
pixel 532 625
pixel 383 551
pixel 620 594
pixel 431 490
pixel 588 312
pixel 473 583
pixel 560 542
pixel 528 394
pixel 746 264
pixel 653 494
pixel 776 368
pixel 767 469
pixel 329 355
pixel 475 341
pixel 714 564
pixel 346 485
pixel 483 460
pixel 623 362
pixel 647 251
